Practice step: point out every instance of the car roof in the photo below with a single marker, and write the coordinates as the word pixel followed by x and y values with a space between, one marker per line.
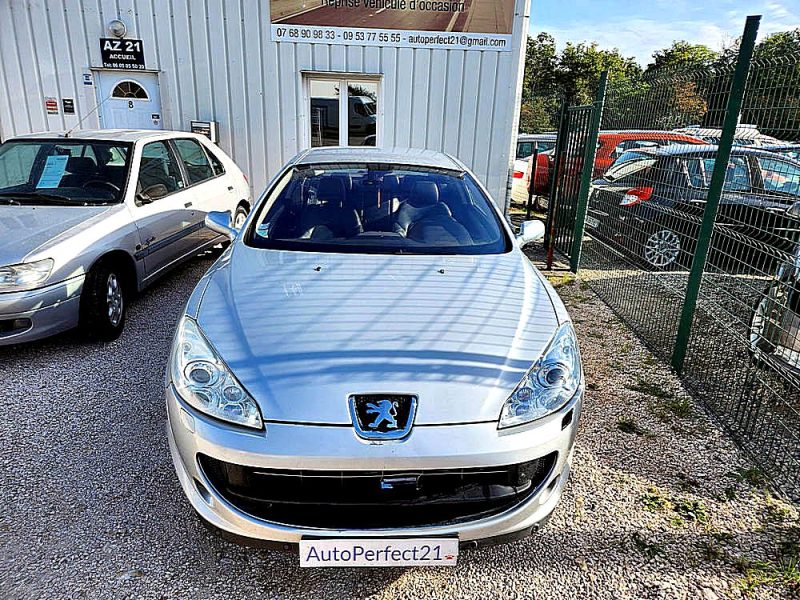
pixel 689 149
pixel 742 132
pixel 644 133
pixel 781 146
pixel 111 135
pixel 536 137
pixel 395 155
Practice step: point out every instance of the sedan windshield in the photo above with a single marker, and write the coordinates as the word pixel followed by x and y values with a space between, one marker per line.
pixel 63 171
pixel 378 209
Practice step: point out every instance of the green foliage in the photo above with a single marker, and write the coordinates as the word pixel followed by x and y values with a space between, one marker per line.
pixel 685 84
pixel 682 55
pixel 574 74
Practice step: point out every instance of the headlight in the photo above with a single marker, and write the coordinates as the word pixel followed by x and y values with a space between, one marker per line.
pixel 24 275
pixel 204 381
pixel 550 383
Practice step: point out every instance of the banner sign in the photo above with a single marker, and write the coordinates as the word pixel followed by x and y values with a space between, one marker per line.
pixel 448 24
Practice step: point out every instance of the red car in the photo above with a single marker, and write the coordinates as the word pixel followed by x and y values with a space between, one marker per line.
pixel 610 146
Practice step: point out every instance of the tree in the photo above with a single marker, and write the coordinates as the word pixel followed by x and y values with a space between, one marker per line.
pixel 573 74
pixel 682 55
pixel 580 66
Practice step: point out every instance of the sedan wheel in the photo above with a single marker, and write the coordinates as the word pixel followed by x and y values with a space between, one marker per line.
pixel 765 322
pixel 103 302
pixel 662 248
pixel 114 300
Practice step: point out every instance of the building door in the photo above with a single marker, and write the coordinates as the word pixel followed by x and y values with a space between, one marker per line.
pixel 128 100
pixel 343 111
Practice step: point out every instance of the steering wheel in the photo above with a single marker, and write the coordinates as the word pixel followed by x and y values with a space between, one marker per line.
pixel 101 182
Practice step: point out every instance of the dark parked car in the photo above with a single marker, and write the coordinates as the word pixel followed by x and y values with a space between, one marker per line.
pixel 611 145
pixel 775 322
pixel 650 204
pixel 787 150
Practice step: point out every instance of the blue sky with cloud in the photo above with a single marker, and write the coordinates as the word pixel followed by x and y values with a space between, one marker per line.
pixel 637 28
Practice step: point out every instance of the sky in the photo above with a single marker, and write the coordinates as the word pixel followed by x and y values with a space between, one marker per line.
pixel 639 27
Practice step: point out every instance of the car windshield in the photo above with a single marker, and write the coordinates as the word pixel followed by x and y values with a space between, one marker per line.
pixel 63 171
pixel 378 209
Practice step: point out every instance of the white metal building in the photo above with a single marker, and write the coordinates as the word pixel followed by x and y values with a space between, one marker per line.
pixel 271 82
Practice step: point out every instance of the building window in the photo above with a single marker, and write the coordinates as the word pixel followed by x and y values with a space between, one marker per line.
pixel 343 111
pixel 129 89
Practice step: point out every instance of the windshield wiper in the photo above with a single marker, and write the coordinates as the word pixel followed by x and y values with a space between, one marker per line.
pixel 47 197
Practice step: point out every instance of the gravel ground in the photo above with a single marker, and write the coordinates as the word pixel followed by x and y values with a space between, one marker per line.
pixel 660 505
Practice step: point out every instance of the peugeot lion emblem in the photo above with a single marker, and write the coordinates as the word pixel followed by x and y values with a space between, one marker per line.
pixel 382 416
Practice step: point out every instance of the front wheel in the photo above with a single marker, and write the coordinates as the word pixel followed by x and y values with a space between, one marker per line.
pixel 103 303
pixel 765 322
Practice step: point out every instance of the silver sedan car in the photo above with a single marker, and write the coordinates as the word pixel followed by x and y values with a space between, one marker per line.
pixel 89 218
pixel 373 372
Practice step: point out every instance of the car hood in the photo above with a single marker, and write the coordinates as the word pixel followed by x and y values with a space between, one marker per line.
pixel 303 331
pixel 27 229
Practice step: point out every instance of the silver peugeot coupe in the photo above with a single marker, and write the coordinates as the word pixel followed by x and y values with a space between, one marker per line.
pixel 373 373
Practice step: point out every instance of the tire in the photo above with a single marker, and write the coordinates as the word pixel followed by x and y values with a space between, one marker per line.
pixel 661 248
pixel 239 216
pixel 762 320
pixel 104 303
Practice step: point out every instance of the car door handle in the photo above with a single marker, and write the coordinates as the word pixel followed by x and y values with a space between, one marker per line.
pixel 187 205
pixel 230 188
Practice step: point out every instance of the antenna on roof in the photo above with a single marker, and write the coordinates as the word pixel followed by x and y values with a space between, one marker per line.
pixel 86 116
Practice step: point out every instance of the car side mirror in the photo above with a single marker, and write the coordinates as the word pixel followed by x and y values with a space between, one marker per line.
pixel 220 222
pixel 142 199
pixel 151 193
pixel 794 210
pixel 530 231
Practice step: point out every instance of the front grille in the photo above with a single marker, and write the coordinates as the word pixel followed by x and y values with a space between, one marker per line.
pixel 376 499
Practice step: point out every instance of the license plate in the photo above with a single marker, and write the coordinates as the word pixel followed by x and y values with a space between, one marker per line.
pixel 379 552
pixel 592 222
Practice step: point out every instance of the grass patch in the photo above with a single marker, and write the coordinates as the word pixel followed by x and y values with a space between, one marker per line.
pixel 655 501
pixel 668 402
pixel 656 390
pixel 691 510
pixel 783 572
pixel 628 425
pixel 559 281
pixel 680 407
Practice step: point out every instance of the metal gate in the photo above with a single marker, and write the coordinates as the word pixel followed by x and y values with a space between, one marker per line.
pixel 573 163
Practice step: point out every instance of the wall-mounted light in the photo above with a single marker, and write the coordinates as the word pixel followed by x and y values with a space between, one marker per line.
pixel 117 28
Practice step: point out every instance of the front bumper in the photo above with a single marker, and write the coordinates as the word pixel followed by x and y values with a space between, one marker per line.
pixel 35 314
pixel 315 447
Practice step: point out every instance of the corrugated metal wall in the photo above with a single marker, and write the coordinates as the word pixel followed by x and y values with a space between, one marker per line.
pixel 216 62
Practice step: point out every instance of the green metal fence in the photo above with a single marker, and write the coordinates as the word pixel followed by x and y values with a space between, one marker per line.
pixel 692 232
pixel 573 155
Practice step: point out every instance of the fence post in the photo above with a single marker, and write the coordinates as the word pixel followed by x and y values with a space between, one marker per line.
pixel 715 188
pixel 551 200
pixel 586 174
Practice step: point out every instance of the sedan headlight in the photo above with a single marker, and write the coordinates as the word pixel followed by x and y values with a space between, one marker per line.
pixel 25 276
pixel 550 383
pixel 205 382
